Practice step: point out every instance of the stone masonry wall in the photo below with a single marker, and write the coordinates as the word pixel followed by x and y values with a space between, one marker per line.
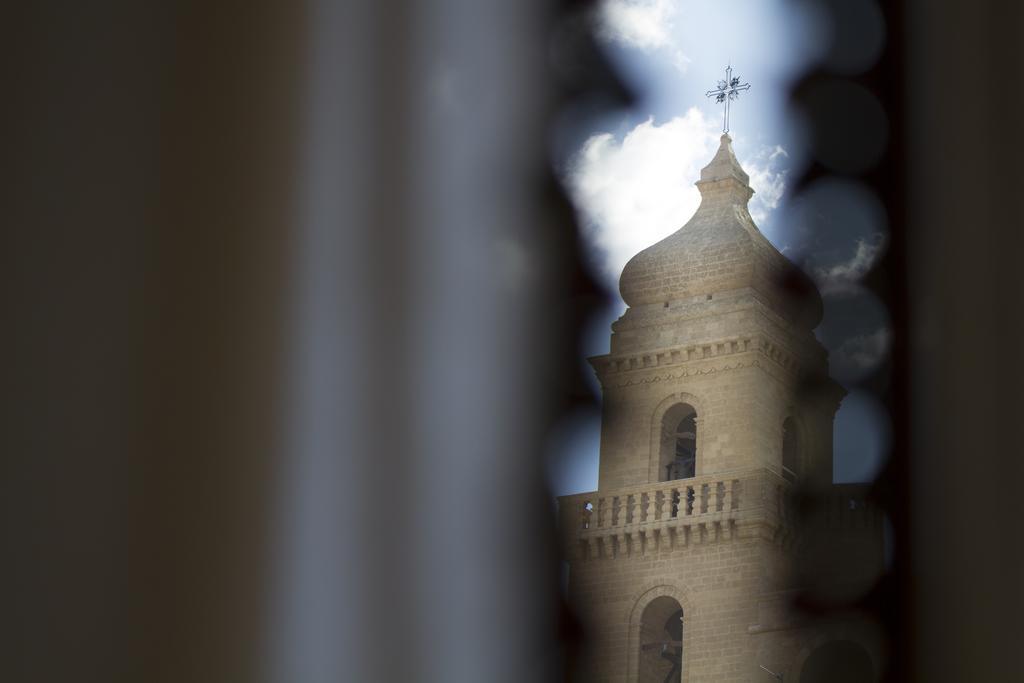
pixel 718 585
pixel 740 410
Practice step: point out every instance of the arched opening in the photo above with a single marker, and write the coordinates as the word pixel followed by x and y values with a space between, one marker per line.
pixel 661 641
pixel 840 661
pixel 678 457
pixel 790 450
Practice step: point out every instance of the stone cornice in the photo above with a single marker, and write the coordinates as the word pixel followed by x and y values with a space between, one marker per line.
pixel 694 359
pixel 656 319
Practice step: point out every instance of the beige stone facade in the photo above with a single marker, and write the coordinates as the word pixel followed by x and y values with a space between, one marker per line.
pixel 707 424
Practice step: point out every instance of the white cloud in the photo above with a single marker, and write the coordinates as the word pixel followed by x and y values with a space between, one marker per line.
pixel 635 191
pixel 768 182
pixel 859 354
pixel 642 25
pixel 844 274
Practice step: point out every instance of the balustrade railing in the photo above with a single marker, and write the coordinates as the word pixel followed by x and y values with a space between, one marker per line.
pixel 719 496
pixel 631 519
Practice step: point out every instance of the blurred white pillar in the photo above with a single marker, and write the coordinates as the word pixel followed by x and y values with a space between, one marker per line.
pixel 411 541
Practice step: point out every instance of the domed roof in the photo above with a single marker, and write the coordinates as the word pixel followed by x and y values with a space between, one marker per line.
pixel 720 250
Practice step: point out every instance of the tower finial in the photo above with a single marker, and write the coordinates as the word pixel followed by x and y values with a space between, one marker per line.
pixel 727 91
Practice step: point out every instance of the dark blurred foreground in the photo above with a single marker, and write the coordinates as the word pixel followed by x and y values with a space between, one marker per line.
pixel 292 299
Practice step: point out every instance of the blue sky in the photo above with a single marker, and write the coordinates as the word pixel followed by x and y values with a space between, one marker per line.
pixel 631 177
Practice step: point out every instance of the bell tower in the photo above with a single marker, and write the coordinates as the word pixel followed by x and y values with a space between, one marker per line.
pixel 678 562
pixel 719 322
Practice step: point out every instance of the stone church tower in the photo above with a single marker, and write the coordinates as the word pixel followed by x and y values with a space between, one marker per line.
pixel 680 562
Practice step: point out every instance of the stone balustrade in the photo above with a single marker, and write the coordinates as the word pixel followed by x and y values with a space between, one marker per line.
pixel 709 508
pixel 671 513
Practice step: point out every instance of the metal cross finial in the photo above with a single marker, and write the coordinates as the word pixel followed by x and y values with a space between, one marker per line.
pixel 727 91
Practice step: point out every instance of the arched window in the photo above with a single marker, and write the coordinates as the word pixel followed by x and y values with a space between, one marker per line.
pixel 661 641
pixel 678 443
pixel 790 451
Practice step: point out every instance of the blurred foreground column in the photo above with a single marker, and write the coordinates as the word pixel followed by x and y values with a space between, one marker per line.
pixel 968 302
pixel 151 157
pixel 414 526
pixel 283 343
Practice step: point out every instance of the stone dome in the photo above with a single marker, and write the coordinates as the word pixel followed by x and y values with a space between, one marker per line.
pixel 720 250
